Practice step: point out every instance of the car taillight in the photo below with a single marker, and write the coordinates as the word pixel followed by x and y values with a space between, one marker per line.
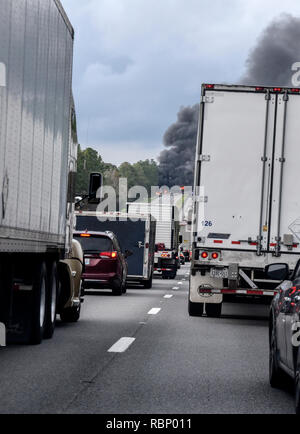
pixel 110 255
pixel 204 255
pixel 215 255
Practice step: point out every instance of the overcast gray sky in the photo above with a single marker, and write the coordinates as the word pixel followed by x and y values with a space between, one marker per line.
pixel 136 62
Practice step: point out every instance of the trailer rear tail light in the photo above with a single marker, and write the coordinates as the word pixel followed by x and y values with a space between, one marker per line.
pixel 209 86
pixel 296 90
pixel 236 242
pixel 204 255
pixel 215 255
pixel 218 241
pixel 277 89
pixel 259 89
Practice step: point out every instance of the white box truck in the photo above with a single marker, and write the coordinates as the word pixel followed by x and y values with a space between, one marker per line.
pixel 40 267
pixel 166 259
pixel 246 211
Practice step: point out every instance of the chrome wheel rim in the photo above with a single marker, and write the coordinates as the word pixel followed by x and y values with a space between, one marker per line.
pixel 43 303
pixel 53 301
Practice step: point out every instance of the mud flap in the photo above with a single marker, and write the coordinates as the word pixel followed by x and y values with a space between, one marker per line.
pixel 197 282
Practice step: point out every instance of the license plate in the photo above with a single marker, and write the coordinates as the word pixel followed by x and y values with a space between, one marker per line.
pixel 219 273
pixel 87 262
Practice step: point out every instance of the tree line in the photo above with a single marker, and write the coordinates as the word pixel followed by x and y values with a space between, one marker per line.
pixel 143 173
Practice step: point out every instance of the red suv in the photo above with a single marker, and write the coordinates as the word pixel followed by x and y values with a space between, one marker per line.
pixel 105 264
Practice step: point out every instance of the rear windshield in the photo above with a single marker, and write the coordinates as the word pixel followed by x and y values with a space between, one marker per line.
pixel 95 244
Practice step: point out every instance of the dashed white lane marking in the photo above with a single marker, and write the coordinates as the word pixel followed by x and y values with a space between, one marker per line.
pixel 168 296
pixel 154 311
pixel 122 345
pixel 175 288
pixel 180 283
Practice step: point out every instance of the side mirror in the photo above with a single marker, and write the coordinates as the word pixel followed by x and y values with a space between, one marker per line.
pixel 278 271
pixel 128 253
pixel 96 182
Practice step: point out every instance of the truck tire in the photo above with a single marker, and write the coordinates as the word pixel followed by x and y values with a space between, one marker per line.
pixel 148 283
pixel 71 314
pixel 196 309
pixel 213 310
pixel 297 388
pixel 51 301
pixel 38 317
pixel 276 375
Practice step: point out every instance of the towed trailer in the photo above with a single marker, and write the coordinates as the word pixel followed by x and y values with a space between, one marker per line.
pixel 246 211
pixel 166 259
pixel 134 232
pixel 40 265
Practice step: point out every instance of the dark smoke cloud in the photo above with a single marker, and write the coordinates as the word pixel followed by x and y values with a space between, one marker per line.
pixel 177 163
pixel 268 64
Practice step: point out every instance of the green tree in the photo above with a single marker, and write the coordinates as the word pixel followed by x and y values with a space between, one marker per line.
pixel 88 161
pixel 144 173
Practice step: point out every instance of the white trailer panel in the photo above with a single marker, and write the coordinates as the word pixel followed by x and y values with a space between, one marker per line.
pixel 247 160
pixel 164 220
pixel 36 48
pixel 285 197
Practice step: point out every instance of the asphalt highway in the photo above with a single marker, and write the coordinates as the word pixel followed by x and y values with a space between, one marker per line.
pixel 142 353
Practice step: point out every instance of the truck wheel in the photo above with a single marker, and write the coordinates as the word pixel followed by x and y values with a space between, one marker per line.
pixel 173 275
pixel 148 283
pixel 196 309
pixel 275 373
pixel 71 314
pixel 297 383
pixel 38 319
pixel 213 310
pixel 51 301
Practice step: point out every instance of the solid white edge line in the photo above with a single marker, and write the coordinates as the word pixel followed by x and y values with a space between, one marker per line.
pixel 121 345
pixel 154 311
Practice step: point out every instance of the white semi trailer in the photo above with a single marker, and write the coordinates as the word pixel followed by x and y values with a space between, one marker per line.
pixel 167 238
pixel 40 267
pixel 246 214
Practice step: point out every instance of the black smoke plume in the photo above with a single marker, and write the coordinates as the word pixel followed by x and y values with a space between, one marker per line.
pixel 278 48
pixel 268 64
pixel 177 163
